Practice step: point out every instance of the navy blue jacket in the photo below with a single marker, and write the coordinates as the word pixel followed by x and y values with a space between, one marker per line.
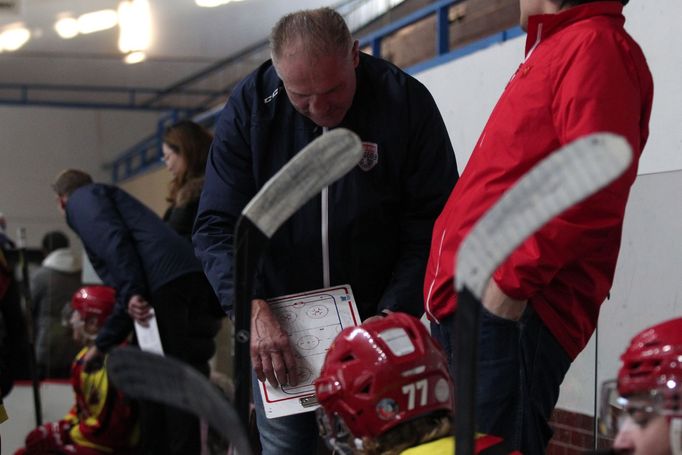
pixel 129 246
pixel 380 219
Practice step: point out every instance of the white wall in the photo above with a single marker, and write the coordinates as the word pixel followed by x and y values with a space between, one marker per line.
pixel 37 143
pixel 467 89
pixel 647 287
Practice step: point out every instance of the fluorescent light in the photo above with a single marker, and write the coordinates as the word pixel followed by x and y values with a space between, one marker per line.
pixel 97 21
pixel 213 3
pixel 135 57
pixel 134 21
pixel 66 27
pixel 209 3
pixel 12 39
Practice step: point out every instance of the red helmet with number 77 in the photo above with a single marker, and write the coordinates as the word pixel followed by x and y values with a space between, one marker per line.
pixel 379 375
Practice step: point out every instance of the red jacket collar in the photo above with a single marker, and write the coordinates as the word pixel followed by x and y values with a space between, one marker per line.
pixel 542 26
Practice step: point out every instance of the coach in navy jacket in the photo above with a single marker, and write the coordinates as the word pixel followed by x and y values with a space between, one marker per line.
pixel 380 215
pixel 372 228
pixel 147 263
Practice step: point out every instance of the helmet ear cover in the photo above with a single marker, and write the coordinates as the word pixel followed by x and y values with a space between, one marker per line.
pixel 380 375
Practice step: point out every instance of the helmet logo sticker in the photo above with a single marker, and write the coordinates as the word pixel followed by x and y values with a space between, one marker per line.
pixel 387 409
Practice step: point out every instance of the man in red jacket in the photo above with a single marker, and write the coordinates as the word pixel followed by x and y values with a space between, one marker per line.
pixel 582 74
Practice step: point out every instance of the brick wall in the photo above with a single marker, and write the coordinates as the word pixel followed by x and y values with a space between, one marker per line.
pixel 573 433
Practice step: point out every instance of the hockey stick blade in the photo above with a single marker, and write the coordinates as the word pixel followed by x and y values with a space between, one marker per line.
pixel 316 166
pixel 564 178
pixel 146 376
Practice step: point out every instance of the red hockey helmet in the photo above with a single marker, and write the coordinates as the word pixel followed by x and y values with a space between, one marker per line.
pixel 653 361
pixel 379 375
pixel 94 301
pixel 649 380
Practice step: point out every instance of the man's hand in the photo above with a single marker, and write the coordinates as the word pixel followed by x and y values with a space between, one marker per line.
pixel 499 304
pixel 271 355
pixel 140 310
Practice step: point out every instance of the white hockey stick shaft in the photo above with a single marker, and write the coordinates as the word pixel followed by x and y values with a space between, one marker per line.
pixel 319 164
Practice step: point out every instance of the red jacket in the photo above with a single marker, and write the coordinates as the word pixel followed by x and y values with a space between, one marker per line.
pixel 582 74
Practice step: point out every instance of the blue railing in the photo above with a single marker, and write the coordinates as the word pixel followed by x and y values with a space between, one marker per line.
pixel 96 96
pixel 440 9
pixel 147 153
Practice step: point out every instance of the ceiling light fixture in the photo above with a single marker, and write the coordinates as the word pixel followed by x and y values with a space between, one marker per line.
pixel 97 21
pixel 13 38
pixel 134 21
pixel 213 3
pixel 66 27
pixel 135 57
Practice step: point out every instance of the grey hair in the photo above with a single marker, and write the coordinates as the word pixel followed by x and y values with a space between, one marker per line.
pixel 320 31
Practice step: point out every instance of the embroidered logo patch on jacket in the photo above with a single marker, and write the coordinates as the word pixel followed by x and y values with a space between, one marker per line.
pixel 370 156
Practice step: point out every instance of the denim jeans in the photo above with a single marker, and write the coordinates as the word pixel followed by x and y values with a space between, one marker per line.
pixel 520 369
pixel 295 435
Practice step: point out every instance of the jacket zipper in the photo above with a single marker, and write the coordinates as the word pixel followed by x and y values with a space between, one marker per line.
pixel 326 280
pixel 433 281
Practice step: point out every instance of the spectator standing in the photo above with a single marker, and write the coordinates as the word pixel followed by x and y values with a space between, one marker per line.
pixel 9 296
pixel 370 229
pixel 150 266
pixel 185 149
pixel 52 286
pixel 582 74
pixel 15 349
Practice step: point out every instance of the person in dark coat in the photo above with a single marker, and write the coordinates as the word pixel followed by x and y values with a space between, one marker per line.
pixel 370 229
pixel 150 266
pixel 14 344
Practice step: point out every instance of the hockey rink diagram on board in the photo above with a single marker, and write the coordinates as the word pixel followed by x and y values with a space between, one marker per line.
pixel 312 320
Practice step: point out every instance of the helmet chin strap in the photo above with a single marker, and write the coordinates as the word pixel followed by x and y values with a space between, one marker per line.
pixel 676 436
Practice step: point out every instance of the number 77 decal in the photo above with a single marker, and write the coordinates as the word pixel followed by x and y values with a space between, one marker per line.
pixel 421 386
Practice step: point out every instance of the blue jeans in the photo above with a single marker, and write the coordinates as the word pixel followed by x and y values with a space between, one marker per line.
pixel 520 369
pixel 295 435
